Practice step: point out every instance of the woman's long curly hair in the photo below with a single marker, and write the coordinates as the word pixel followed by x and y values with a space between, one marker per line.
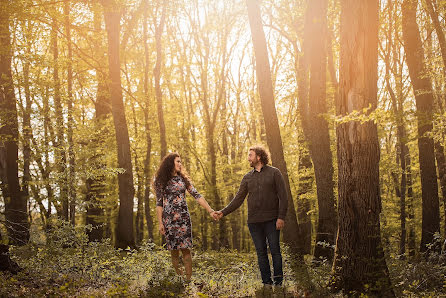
pixel 165 172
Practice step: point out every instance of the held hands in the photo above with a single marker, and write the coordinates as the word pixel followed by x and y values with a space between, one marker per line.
pixel 216 215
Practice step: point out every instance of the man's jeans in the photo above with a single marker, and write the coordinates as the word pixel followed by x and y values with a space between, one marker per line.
pixel 260 232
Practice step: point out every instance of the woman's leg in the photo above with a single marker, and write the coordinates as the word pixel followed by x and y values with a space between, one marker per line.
pixel 176 261
pixel 187 259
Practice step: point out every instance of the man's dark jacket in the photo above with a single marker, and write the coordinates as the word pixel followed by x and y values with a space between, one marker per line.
pixel 267 195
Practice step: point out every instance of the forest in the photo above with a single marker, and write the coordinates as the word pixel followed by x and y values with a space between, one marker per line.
pixel 348 96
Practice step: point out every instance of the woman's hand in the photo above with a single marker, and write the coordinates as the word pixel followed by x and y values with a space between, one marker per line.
pixel 162 229
pixel 212 213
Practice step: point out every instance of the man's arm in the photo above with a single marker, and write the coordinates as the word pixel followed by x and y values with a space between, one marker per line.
pixel 281 193
pixel 238 199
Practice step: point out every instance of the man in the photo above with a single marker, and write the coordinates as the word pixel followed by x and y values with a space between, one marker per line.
pixel 267 207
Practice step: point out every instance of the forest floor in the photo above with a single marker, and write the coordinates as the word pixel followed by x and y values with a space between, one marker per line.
pixel 99 270
pixel 69 265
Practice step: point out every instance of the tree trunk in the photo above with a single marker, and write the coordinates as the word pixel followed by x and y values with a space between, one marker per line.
pixel 157 74
pixel 27 131
pixel 441 166
pixel 15 202
pixel 313 107
pixel 96 186
pixel 424 101
pixel 147 177
pixel 124 230
pixel 71 158
pixel 359 264
pixel 48 135
pixel 139 220
pixel 292 233
pixel 219 237
pixel 439 150
pixel 305 185
pixel 291 230
pixel 402 148
pixel 410 209
pixel 59 146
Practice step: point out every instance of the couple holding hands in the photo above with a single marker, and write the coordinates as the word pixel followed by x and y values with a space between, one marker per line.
pixel 267 207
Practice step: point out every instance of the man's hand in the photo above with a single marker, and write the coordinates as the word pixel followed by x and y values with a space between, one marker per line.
pixel 162 229
pixel 280 223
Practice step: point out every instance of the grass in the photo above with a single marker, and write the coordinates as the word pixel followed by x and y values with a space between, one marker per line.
pixel 98 269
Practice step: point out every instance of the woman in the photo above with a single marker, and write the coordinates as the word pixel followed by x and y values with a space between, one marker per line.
pixel 170 184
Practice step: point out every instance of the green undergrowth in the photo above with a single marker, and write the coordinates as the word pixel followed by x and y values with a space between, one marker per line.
pixel 66 264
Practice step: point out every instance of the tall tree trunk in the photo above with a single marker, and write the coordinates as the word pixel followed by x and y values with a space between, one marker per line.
pixel 237 235
pixel 315 127
pixel 147 181
pixel 96 186
pixel 124 230
pixel 71 158
pixel 15 202
pixel 139 220
pixel 402 148
pixel 48 135
pixel 210 120
pixel 59 146
pixel 305 185
pixel 439 150
pixel 27 132
pixel 157 74
pixel 424 101
pixel 410 210
pixel 147 212
pixel 273 137
pixel 359 259
pixel 441 167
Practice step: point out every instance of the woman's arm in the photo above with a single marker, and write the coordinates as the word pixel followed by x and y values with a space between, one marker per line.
pixel 159 215
pixel 191 189
pixel 205 205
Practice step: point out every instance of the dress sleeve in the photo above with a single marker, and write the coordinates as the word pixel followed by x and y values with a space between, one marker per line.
pixel 191 189
pixel 159 196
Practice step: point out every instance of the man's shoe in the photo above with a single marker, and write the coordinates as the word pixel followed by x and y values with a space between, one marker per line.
pixel 265 292
pixel 279 291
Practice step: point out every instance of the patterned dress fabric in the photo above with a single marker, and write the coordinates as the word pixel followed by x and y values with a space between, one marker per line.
pixel 176 217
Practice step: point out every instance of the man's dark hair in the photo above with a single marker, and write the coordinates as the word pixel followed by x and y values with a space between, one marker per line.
pixel 261 152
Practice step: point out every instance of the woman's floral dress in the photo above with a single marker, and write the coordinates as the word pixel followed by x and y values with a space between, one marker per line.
pixel 176 217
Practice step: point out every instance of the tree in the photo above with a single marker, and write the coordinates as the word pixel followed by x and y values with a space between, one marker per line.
pixel 424 102
pixel 313 108
pixel 59 141
pixel 157 74
pixel 439 149
pixel 70 120
pixel 359 264
pixel 273 137
pixel 16 214
pixel 147 178
pixel 96 185
pixel 124 231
